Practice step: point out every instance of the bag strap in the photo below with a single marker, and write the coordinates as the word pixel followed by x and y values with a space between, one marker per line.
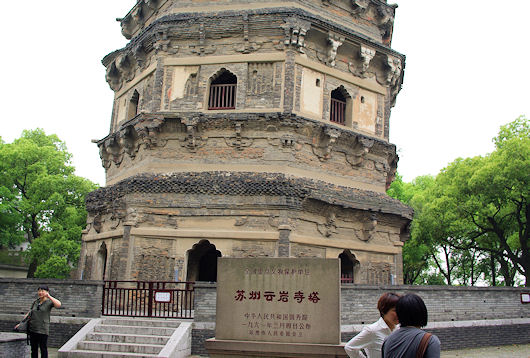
pixel 423 345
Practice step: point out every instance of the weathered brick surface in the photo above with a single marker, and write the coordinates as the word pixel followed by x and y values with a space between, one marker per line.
pixel 205 296
pixel 12 345
pixel 358 303
pixel 473 337
pixel 444 304
pixel 78 298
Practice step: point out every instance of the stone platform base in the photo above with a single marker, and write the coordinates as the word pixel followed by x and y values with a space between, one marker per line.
pixel 228 348
pixel 13 345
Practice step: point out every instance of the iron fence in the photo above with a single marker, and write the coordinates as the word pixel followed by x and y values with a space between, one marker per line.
pixel 164 299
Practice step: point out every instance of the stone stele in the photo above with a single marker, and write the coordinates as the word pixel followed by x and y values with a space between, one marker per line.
pixel 276 305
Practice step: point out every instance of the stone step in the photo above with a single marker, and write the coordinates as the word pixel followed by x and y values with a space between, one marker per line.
pixel 120 347
pixel 127 338
pixel 120 329
pixel 103 354
pixel 142 322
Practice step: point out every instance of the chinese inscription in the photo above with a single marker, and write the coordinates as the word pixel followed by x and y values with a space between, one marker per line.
pixel 278 300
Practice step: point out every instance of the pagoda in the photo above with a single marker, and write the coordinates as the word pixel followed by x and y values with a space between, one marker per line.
pixel 249 128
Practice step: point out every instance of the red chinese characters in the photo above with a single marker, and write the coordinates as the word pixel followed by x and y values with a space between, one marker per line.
pixel 282 296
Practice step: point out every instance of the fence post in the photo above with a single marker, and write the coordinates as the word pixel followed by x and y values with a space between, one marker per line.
pixel 150 300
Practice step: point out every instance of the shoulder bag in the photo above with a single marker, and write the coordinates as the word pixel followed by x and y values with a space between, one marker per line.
pixel 23 326
pixel 423 345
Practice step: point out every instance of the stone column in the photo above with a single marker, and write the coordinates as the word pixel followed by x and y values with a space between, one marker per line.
pixel 284 244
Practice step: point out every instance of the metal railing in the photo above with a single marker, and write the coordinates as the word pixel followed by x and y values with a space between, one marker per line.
pixel 222 96
pixel 346 278
pixel 337 112
pixel 164 299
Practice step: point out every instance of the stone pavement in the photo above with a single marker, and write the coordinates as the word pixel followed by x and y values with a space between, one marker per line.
pixel 512 351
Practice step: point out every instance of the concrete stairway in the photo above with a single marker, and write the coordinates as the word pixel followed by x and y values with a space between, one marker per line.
pixel 130 337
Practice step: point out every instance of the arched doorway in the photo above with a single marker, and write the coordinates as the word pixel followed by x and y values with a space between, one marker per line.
pixel 348 266
pixel 202 262
pixel 101 262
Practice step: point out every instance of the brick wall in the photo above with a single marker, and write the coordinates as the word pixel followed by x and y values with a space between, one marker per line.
pixel 448 308
pixel 78 298
pixel 81 301
pixel 444 303
pixel 462 317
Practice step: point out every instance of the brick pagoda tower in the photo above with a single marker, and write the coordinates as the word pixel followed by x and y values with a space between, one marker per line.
pixel 249 128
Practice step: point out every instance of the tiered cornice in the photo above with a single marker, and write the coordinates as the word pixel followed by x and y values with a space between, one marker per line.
pixel 200 136
pixel 294 28
pixel 375 13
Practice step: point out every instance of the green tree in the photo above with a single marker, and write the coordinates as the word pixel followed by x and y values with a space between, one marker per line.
pixel 417 250
pixel 481 204
pixel 42 201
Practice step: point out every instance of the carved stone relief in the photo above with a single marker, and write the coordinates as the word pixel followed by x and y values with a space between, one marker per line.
pixel 323 145
pixel 148 131
pixel 382 14
pixel 202 48
pixel 163 43
pixel 369 228
pixel 329 227
pixel 367 54
pixel 276 222
pixel 360 149
pixel 238 141
pixel 394 72
pixel 253 223
pixel 295 30
pixel 334 42
pixel 376 273
pixel 260 79
pixel 127 141
pixel 192 141
pixel 359 7
pixel 247 46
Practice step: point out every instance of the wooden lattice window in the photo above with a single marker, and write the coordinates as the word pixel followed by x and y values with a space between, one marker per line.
pixel 223 91
pixel 338 107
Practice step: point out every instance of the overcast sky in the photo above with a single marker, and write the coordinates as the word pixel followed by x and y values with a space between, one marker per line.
pixel 467 72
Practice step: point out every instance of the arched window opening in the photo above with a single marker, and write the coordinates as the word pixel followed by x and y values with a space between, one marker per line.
pixel 339 97
pixel 202 262
pixel 133 105
pixel 348 267
pixel 102 261
pixel 223 91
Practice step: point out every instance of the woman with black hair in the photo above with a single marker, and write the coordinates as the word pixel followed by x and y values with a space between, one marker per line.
pixel 39 323
pixel 409 341
pixel 371 337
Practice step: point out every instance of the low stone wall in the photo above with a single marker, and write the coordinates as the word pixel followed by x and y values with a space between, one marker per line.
pixel 81 301
pixel 461 317
pixel 444 303
pixel 13 345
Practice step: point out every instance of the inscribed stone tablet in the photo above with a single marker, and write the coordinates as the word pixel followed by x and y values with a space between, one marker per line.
pixel 293 300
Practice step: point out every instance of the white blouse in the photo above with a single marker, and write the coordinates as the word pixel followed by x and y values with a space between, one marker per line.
pixel 370 339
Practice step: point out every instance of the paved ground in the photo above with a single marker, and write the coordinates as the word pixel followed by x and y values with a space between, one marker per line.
pixel 513 351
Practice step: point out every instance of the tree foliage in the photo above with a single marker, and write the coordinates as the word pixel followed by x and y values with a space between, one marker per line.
pixel 473 218
pixel 42 201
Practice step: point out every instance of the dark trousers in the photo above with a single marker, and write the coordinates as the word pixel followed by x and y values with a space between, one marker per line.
pixel 37 341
